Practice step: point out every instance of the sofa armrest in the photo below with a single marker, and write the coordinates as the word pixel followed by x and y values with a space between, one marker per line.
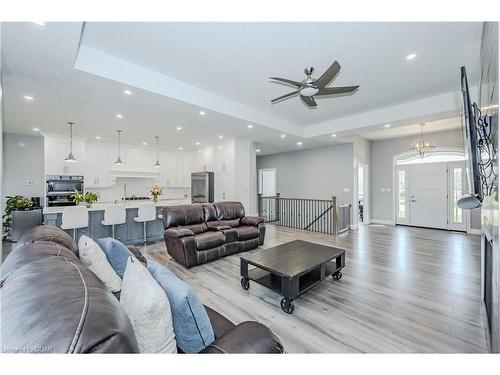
pixel 175 233
pixel 246 337
pixel 252 220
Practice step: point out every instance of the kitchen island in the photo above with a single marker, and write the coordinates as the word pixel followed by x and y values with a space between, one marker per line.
pixel 129 233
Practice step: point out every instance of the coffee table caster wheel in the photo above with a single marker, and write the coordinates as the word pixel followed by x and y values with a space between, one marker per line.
pixel 245 283
pixel 287 305
pixel 337 275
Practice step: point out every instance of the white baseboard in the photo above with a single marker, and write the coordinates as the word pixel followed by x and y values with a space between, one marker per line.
pixel 384 222
pixel 474 231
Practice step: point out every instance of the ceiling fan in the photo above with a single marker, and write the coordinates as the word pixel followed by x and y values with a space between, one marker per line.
pixel 311 87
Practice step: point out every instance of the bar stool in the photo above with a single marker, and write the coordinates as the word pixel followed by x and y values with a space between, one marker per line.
pixel 114 215
pixel 147 212
pixel 75 217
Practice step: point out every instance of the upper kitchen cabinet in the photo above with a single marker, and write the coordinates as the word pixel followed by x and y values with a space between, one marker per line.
pixel 56 150
pixel 224 158
pixel 203 161
pixel 96 166
pixel 176 168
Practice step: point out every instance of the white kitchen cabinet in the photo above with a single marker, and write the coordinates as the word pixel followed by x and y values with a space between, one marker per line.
pixel 204 160
pixel 224 158
pixel 175 169
pixel 187 162
pixel 96 167
pixel 224 186
pixel 55 153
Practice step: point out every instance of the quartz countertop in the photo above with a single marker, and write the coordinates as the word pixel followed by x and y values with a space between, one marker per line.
pixel 100 206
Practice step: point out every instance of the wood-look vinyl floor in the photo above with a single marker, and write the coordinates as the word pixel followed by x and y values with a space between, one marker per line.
pixel 404 290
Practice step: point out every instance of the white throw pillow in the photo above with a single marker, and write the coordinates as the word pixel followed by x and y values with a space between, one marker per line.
pixel 94 258
pixel 148 309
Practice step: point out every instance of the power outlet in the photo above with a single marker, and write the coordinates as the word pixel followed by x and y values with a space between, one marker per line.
pixel 29 182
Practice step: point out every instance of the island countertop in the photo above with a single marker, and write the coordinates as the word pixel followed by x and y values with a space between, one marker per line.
pixel 100 206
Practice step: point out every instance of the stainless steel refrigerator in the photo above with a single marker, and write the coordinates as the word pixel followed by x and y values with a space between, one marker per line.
pixel 202 187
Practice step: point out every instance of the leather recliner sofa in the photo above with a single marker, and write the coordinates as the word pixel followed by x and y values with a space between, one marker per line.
pixel 52 303
pixel 200 233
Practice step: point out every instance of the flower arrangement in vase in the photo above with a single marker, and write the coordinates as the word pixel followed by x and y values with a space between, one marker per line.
pixel 155 192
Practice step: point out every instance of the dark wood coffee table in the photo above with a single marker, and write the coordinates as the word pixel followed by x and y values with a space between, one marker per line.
pixel 292 268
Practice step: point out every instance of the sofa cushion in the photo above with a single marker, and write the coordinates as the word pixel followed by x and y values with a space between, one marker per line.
pixel 94 258
pixel 209 240
pixel 148 309
pixel 229 210
pixel 116 253
pixel 247 232
pixel 192 326
pixel 196 228
pixel 182 215
pixel 232 223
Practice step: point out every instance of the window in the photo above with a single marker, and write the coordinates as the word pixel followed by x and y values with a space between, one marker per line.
pixel 402 194
pixel 457 193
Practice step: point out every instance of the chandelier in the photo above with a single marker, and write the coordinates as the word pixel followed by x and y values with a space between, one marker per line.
pixel 420 145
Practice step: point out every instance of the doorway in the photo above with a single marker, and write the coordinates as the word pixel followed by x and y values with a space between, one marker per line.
pixel 362 197
pixel 267 182
pixel 427 192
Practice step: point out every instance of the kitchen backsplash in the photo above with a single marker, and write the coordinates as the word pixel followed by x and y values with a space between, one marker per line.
pixel 138 187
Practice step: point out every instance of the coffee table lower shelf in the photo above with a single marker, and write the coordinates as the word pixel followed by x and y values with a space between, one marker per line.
pixel 290 287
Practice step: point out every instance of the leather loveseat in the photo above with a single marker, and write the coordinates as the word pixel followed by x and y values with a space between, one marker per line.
pixel 200 233
pixel 52 303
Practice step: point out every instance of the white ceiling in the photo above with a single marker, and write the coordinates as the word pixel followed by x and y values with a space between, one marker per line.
pixel 453 123
pixel 230 60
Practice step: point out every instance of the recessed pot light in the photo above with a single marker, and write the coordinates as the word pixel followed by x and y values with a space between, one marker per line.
pixel 299 143
pixel 144 143
pixel 334 135
pixel 221 136
pixel 39 23
pixel 411 56
pixel 197 143
pixel 119 116
pixel 202 113
pixel 29 98
pixel 179 128
pixel 387 125
pixel 283 135
pixel 127 92
pixel 258 150
pixel 36 129
pixel 180 148
pixel 98 137
pixel 249 126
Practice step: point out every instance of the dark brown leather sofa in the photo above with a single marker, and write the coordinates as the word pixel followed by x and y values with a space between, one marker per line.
pixel 200 233
pixel 52 303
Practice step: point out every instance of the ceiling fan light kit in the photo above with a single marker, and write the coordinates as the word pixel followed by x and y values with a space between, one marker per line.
pixel 310 87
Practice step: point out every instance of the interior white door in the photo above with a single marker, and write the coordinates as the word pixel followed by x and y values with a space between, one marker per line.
pixel 268 182
pixel 429 196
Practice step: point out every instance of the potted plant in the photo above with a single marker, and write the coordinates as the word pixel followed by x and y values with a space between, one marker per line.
pixel 13 203
pixel 155 192
pixel 86 199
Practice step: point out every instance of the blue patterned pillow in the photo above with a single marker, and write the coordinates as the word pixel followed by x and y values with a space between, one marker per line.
pixel 116 253
pixel 192 327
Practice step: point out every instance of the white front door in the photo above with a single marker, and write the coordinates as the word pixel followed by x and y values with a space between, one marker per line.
pixel 429 196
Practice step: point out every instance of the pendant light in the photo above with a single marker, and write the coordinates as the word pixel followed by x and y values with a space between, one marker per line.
pixel 420 145
pixel 119 160
pixel 70 158
pixel 157 164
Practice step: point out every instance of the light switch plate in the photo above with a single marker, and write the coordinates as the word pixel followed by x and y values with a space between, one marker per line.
pixel 29 182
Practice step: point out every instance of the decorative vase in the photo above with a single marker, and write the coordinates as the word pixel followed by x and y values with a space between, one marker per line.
pixel 155 198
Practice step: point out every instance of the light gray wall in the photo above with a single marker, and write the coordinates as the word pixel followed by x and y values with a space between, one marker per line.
pixel 22 163
pixel 382 169
pixel 317 173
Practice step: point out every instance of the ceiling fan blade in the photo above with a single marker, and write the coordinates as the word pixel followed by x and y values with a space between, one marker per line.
pixel 309 100
pixel 285 96
pixel 328 75
pixel 289 81
pixel 336 90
